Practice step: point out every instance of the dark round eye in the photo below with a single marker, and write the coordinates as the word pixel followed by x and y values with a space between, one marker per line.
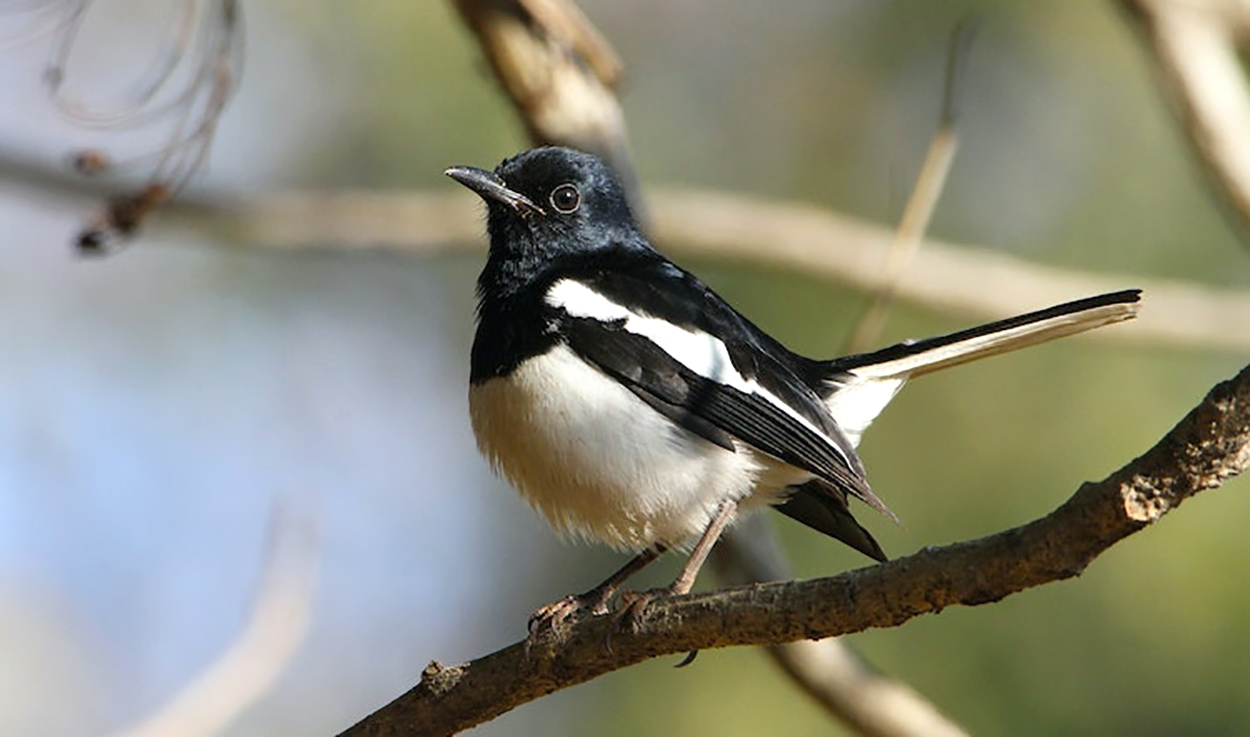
pixel 565 198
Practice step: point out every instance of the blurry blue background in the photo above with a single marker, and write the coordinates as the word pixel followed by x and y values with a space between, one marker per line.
pixel 156 405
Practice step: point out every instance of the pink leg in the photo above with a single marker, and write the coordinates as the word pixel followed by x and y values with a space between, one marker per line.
pixel 595 600
pixel 636 602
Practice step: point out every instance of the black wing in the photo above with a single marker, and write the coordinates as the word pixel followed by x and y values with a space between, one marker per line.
pixel 715 411
pixel 649 285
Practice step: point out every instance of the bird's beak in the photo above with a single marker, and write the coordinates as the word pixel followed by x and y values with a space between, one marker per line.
pixel 490 187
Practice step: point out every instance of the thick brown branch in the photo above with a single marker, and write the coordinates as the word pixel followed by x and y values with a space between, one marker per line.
pixel 1211 444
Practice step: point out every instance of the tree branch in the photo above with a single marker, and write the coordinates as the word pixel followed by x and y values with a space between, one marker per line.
pixel 1194 46
pixel 1211 444
pixel 955 279
pixel 819 243
pixel 247 669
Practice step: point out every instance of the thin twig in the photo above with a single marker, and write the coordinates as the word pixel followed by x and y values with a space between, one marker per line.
pixel 924 196
pixel 188 85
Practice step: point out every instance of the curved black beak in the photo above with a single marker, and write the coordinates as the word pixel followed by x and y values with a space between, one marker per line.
pixel 490 187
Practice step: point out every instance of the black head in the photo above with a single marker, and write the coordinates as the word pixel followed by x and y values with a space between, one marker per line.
pixel 546 202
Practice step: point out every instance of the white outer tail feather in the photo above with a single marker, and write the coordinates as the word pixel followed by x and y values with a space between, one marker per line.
pixel 860 392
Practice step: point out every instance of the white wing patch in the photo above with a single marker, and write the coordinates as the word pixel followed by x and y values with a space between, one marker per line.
pixel 701 352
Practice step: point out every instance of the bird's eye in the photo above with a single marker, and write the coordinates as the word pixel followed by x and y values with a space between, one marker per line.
pixel 566 199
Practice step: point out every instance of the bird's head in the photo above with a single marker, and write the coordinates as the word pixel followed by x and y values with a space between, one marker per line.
pixel 548 201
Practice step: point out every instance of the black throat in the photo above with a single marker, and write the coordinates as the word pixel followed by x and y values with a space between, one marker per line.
pixel 528 254
pixel 514 320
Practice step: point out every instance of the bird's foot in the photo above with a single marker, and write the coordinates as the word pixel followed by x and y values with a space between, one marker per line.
pixel 549 617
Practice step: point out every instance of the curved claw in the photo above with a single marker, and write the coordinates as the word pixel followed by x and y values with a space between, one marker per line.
pixel 552 615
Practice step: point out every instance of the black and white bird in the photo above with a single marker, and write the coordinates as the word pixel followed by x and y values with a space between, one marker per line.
pixel 631 405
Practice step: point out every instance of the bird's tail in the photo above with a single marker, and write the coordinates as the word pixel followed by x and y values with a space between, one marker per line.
pixel 860 386
pixel 916 358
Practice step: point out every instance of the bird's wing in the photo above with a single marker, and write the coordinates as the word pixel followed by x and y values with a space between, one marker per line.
pixel 823 507
pixel 721 388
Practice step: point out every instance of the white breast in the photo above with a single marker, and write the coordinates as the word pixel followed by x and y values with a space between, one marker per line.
pixel 601 464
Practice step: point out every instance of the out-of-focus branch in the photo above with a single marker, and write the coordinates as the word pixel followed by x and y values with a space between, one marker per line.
pixel 187 86
pixel 924 196
pixel 277 625
pixel 828 670
pixel 1194 44
pixel 960 280
pixel 955 279
pixel 1208 446
pixel 949 278
pixel 560 74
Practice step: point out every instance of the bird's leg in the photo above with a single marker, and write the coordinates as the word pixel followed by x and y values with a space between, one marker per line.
pixel 636 602
pixel 595 600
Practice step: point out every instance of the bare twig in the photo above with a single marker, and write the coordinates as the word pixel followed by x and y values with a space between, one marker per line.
pixel 1208 446
pixel 924 196
pixel 189 86
pixel 246 670
pixel 1194 44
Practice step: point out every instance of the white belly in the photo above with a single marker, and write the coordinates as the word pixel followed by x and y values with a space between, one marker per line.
pixel 600 464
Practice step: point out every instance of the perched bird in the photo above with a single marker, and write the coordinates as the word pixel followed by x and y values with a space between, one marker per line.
pixel 631 405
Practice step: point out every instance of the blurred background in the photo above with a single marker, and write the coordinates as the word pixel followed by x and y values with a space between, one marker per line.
pixel 158 405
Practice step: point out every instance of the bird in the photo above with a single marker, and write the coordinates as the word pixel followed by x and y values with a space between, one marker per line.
pixel 632 406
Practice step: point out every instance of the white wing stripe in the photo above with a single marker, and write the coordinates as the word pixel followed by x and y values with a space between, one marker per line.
pixel 701 352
